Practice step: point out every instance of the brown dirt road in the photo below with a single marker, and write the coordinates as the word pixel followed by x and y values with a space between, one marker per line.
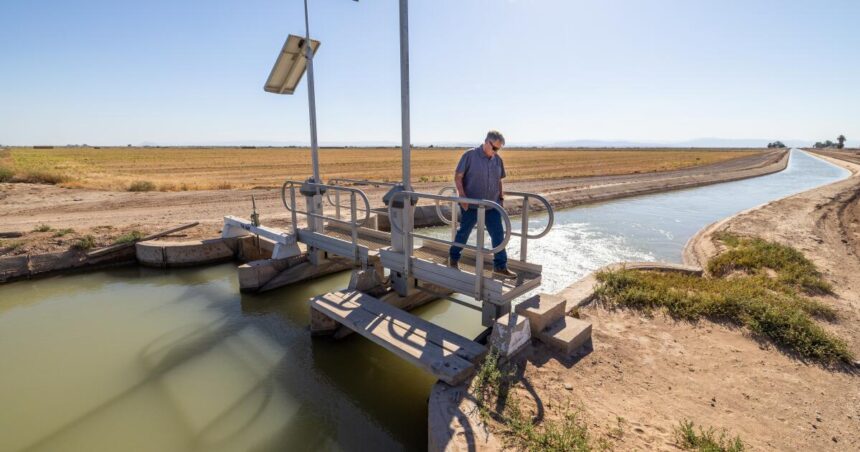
pixel 106 214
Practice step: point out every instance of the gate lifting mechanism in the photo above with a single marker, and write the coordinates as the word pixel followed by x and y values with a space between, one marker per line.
pixel 350 237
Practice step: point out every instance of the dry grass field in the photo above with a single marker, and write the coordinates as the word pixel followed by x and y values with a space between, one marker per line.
pixel 174 169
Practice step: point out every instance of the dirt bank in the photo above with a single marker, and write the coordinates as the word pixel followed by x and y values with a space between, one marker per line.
pixel 823 223
pixel 645 374
pixel 105 215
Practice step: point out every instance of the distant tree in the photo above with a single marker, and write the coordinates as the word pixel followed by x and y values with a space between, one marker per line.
pixel 841 140
pixel 776 144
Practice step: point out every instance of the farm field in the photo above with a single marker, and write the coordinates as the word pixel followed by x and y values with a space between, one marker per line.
pixel 180 169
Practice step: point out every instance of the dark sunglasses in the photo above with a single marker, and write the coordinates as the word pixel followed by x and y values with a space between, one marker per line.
pixel 495 148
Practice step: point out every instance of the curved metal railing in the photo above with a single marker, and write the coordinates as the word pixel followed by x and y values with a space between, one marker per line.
pixel 354 193
pixel 336 202
pixel 523 233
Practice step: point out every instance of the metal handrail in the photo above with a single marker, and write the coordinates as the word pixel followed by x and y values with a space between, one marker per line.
pixel 336 202
pixel 549 210
pixel 524 229
pixel 353 192
pixel 481 203
pixel 338 180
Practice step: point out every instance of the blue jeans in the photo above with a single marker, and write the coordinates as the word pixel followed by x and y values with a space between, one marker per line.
pixel 493 221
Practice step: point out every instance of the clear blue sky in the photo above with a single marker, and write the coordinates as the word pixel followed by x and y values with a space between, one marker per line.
pixel 182 72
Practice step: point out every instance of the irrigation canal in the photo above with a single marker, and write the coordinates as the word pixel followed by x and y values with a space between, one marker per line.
pixel 176 360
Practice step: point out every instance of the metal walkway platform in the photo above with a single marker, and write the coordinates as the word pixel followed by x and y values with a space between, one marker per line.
pixel 505 290
pixel 430 264
pixel 447 355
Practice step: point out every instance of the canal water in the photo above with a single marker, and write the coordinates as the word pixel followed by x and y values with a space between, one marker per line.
pixel 156 360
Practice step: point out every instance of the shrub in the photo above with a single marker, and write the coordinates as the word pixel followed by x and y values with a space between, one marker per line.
pixel 141 185
pixel 11 246
pixel 6 174
pixel 754 255
pixel 62 232
pixel 128 237
pixel 492 383
pixel 706 440
pixel 84 243
pixel 42 228
pixel 42 177
pixel 765 306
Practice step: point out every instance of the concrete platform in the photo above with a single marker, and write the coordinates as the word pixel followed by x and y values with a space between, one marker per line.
pixel 541 310
pixel 304 271
pixel 566 335
pixel 186 253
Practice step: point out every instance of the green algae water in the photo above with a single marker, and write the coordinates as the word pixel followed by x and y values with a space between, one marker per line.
pixel 137 359
pixel 155 360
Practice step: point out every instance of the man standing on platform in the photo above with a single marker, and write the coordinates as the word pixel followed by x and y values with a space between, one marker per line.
pixel 479 175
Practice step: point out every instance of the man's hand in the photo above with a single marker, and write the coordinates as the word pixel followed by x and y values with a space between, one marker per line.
pixel 461 192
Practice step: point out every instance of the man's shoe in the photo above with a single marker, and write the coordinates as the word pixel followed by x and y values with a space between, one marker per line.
pixel 453 264
pixel 504 273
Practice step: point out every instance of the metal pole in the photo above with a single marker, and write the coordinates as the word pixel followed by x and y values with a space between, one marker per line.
pixel 479 255
pixel 404 94
pixel 524 229
pixel 293 216
pixel 312 107
pixel 353 226
pixel 454 209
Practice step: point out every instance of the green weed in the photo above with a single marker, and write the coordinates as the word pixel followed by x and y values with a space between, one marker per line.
pixel 6 174
pixel 773 308
pixel 62 232
pixel 42 228
pixel 706 440
pixel 491 383
pixel 84 243
pixel 129 237
pixel 11 246
pixel 755 256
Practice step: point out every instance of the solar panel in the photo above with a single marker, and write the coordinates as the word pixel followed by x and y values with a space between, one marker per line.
pixel 290 66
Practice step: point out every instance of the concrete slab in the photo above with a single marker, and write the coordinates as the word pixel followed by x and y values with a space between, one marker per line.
pixel 251 248
pixel 255 274
pixel 306 271
pixel 542 310
pixel 15 267
pixel 579 293
pixel 566 335
pixel 511 333
pixel 184 254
